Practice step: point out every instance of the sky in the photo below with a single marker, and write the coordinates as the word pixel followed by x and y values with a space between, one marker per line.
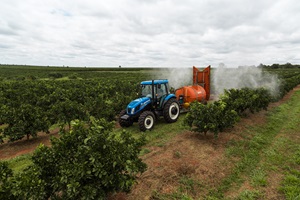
pixel 149 33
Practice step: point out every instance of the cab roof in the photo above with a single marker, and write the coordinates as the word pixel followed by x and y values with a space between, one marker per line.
pixel 156 82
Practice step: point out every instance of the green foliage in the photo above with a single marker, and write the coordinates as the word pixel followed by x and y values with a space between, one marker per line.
pixel 214 117
pixel 258 178
pixel 282 66
pixel 263 151
pixel 291 185
pixel 31 77
pixel 217 116
pixel 5 184
pixel 245 99
pixel 67 110
pixel 84 163
pixel 20 78
pixel 55 75
pixel 249 195
pixel 1 136
pixel 19 163
pixel 29 185
pixel 25 120
pixel 73 76
pixel 8 72
pixel 31 106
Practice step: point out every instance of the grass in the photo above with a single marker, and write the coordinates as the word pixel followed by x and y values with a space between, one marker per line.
pixel 186 189
pixel 161 133
pixel 3 126
pixel 249 195
pixel 144 151
pixel 273 148
pixel 18 164
pixel 290 185
pixel 258 177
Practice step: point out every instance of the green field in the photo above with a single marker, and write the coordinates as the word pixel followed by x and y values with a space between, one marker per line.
pixel 257 159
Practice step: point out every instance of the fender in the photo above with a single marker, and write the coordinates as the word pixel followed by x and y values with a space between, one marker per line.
pixel 170 96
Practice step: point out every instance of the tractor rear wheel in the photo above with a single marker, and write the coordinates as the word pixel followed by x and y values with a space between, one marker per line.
pixel 146 121
pixel 123 122
pixel 171 111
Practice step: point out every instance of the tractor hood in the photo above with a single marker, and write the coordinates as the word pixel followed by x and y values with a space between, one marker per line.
pixel 137 105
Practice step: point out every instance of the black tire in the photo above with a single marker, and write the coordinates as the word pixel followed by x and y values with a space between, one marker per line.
pixel 122 122
pixel 146 120
pixel 171 111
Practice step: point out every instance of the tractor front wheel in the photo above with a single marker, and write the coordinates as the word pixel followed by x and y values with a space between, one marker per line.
pixel 124 122
pixel 171 111
pixel 146 121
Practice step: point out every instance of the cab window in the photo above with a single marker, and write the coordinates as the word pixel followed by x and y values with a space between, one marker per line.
pixel 146 91
pixel 161 90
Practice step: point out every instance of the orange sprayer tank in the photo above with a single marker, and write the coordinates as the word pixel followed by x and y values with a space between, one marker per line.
pixel 188 94
pixel 199 91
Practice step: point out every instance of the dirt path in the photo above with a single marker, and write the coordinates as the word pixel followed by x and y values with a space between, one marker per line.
pixel 189 155
pixel 24 146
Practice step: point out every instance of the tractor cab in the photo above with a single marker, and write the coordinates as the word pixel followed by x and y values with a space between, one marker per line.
pixel 156 90
pixel 155 100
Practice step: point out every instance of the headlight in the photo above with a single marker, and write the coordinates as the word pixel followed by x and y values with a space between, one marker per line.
pixel 132 111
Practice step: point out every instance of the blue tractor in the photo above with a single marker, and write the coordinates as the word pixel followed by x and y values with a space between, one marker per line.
pixel 155 101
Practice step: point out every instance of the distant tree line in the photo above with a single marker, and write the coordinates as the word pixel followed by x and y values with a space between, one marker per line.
pixel 278 66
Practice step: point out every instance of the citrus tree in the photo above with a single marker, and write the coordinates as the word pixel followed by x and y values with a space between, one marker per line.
pixel 213 117
pixel 84 163
pixel 221 114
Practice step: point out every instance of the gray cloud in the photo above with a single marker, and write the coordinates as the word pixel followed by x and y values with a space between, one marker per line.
pixel 149 32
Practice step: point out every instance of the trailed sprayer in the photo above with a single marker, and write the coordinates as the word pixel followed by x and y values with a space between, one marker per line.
pixel 156 100
pixel 199 91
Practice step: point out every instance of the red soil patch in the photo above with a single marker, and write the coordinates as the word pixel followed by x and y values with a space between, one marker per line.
pixel 12 149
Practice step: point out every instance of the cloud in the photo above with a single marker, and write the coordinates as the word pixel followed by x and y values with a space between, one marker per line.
pixel 159 33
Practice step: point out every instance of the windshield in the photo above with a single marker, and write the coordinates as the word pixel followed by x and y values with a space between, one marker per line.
pixel 146 91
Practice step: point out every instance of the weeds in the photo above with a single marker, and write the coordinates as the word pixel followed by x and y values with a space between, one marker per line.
pixel 18 164
pixel 290 186
pixel 270 148
pixel 258 177
pixel 249 195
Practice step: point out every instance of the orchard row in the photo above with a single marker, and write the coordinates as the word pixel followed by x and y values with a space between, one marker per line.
pixel 234 103
pixel 28 107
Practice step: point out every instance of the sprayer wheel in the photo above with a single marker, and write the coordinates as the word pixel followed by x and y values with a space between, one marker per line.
pixel 146 120
pixel 171 111
pixel 122 122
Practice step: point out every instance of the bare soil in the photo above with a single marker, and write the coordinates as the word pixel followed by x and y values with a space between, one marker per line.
pixel 10 150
